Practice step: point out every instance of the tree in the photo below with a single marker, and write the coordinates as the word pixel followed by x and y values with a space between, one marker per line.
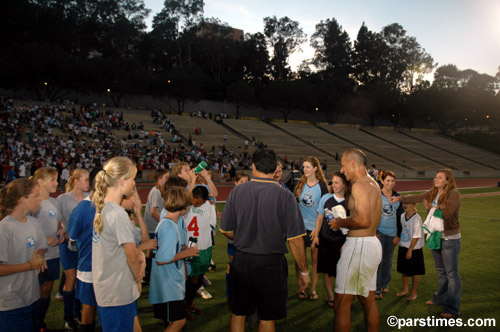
pixel 405 60
pixel 367 53
pixel 241 95
pixel 255 59
pixel 180 20
pixel 284 36
pixel 288 96
pixel 182 83
pixel 332 48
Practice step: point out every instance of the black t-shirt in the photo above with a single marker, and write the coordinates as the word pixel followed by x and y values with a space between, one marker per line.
pixel 262 215
pixel 326 232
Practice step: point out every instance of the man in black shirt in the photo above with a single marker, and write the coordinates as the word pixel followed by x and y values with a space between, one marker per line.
pixel 260 216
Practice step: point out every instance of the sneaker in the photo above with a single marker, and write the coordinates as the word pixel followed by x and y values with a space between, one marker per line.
pixel 212 268
pixel 58 296
pixel 203 293
pixel 78 321
pixel 195 310
pixel 70 325
pixel 189 315
pixel 206 282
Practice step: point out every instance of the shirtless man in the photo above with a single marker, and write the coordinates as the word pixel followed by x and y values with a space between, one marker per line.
pixel 362 252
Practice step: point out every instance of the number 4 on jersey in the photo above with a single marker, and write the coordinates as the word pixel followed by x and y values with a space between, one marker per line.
pixel 193 227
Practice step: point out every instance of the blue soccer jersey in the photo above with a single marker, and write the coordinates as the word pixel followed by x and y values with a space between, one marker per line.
pixel 309 201
pixel 80 227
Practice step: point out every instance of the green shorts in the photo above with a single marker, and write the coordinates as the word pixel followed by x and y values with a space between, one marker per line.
pixel 200 264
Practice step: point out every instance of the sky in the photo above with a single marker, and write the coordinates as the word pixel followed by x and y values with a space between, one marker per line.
pixel 461 32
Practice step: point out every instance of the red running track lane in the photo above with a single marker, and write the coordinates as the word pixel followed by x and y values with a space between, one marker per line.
pixel 401 186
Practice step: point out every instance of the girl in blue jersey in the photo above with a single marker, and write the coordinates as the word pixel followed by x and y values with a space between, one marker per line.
pixel 388 231
pixel 117 266
pixel 77 189
pixel 49 219
pixel 80 229
pixel 309 190
pixel 328 241
pixel 168 274
pixel 22 242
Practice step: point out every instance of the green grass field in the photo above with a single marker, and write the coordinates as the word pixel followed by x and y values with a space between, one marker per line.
pixel 479 268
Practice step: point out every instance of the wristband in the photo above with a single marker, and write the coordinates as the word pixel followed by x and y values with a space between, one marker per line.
pixel 304 273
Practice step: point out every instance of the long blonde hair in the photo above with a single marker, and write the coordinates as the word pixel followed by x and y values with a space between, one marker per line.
pixel 449 187
pixel 77 173
pixel 44 174
pixel 319 175
pixel 115 169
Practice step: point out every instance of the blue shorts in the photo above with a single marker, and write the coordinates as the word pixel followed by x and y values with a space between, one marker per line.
pixel 231 249
pixel 20 319
pixel 69 259
pixel 85 293
pixel 119 318
pixel 51 273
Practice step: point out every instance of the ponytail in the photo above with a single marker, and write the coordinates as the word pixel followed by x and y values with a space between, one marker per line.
pixel 115 169
pixel 77 173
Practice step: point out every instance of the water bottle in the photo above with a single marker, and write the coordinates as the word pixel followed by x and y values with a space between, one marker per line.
pixel 329 217
pixel 192 242
pixel 201 166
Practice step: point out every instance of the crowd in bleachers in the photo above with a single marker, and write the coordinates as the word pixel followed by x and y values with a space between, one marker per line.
pixel 85 136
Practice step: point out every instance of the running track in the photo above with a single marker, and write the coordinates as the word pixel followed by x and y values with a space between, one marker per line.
pixel 401 186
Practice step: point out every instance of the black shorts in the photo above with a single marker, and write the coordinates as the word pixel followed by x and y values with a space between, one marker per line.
pixel 170 311
pixel 307 239
pixel 329 255
pixel 258 283
pixel 413 266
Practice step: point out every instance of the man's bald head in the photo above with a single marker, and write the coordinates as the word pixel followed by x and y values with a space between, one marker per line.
pixel 357 155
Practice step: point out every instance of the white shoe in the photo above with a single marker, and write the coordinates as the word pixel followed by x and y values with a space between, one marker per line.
pixel 206 282
pixel 58 296
pixel 203 293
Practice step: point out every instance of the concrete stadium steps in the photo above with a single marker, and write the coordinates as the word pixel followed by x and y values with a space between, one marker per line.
pixel 282 143
pixel 464 151
pixel 351 136
pixel 211 133
pixel 387 149
pixel 444 157
pixel 329 143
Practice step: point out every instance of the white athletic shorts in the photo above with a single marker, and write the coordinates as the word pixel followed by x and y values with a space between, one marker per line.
pixel 357 266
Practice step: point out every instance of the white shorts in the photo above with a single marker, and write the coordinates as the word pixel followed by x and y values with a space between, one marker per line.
pixel 357 266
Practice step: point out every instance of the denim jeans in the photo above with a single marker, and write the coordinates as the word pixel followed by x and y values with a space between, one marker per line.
pixel 449 281
pixel 384 272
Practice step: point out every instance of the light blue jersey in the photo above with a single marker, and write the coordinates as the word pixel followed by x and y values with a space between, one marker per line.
pixel 309 201
pixel 167 280
pixel 388 220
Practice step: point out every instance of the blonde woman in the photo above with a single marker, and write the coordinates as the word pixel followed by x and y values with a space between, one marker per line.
pixel 77 189
pixel 22 243
pixel 309 190
pixel 49 221
pixel 117 266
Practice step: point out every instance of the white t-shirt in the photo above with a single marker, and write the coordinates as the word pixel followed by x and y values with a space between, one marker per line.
pixel 412 228
pixel 200 221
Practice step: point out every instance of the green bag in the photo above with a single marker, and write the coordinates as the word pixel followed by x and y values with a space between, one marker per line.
pixel 434 240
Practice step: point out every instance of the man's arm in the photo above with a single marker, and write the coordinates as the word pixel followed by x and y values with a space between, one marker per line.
pixel 362 205
pixel 299 254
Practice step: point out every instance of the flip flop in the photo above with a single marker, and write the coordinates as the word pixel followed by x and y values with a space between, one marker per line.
pixel 302 295
pixel 430 302
pixel 446 315
pixel 385 290
pixel 330 303
pixel 378 296
pixel 313 296
pixel 411 298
